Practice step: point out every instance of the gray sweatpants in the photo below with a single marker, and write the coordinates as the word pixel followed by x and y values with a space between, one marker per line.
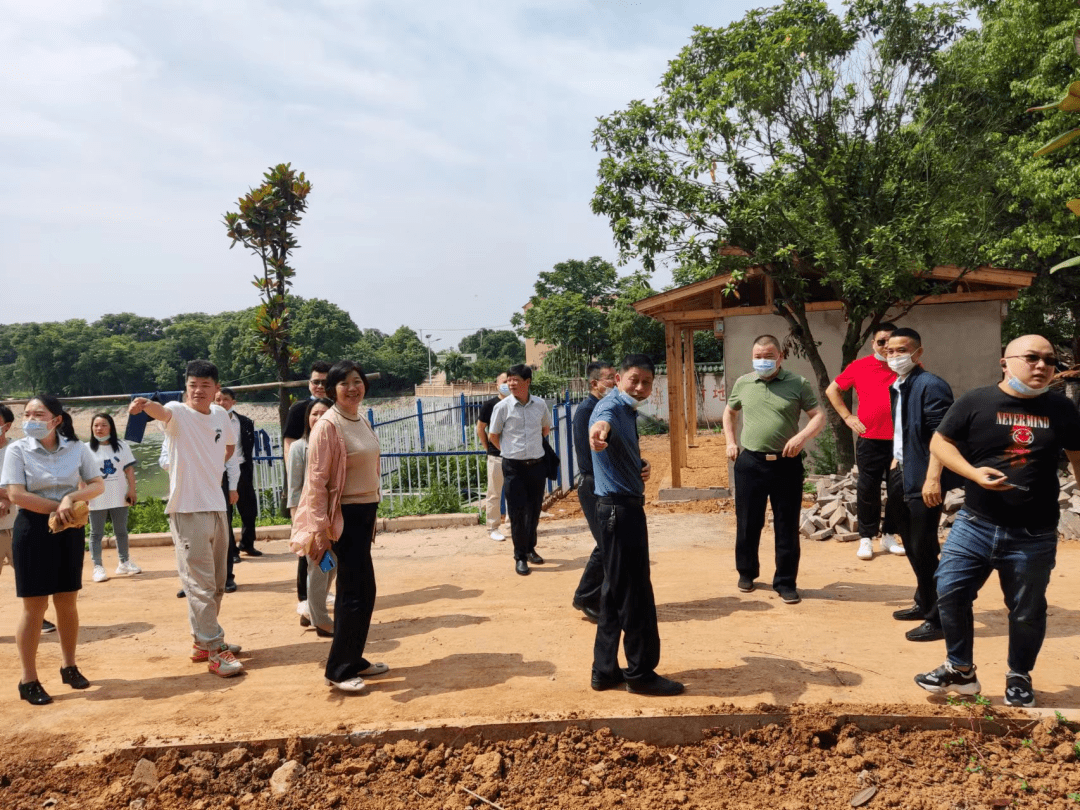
pixel 201 541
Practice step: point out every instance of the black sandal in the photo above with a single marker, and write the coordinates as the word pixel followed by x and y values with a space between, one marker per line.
pixel 34 693
pixel 73 678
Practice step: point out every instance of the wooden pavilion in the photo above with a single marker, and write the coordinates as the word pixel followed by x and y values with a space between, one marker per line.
pixel 706 305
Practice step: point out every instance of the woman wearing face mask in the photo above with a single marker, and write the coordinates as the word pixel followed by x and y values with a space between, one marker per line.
pixel 48 471
pixel 337 510
pixel 116 464
pixel 308 576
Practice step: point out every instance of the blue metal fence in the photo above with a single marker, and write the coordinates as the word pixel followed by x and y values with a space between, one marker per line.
pixel 433 449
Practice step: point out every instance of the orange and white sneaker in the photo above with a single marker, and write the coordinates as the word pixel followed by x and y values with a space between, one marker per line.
pixel 198 654
pixel 223 663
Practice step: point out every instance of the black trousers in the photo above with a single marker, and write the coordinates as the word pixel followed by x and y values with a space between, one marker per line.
pixel 919 530
pixel 874 457
pixel 246 505
pixel 523 485
pixel 627 604
pixel 779 483
pixel 355 597
pixel 588 589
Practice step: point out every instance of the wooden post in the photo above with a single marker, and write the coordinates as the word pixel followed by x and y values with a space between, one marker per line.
pixel 676 425
pixel 691 390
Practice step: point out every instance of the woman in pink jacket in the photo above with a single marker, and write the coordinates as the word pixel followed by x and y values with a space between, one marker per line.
pixel 337 514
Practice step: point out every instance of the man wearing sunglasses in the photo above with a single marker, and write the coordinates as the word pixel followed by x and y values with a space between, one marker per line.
pixel 1006 440
pixel 871 377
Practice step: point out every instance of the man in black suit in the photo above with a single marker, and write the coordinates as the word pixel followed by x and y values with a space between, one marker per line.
pixel 238 479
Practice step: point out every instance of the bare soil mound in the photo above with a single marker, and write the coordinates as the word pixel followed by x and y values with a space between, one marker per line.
pixel 814 760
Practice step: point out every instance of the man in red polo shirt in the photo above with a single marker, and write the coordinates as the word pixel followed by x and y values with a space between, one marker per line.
pixel 871 378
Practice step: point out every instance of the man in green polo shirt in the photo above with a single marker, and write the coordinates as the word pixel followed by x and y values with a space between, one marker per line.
pixel 769 467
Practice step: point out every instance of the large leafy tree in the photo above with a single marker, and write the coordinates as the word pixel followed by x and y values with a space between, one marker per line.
pixel 796 134
pixel 492 344
pixel 568 310
pixel 265 224
pixel 1021 53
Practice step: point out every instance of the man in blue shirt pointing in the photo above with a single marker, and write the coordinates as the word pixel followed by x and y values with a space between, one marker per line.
pixel 627 604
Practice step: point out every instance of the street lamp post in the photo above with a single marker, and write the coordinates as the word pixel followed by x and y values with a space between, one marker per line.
pixel 429 342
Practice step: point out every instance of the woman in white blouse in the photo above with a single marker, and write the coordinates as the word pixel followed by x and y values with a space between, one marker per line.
pixel 48 471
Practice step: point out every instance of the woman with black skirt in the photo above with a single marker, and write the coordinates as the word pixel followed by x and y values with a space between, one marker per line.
pixel 48 471
pixel 337 511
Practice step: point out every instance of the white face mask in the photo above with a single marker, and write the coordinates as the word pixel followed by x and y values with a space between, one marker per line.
pixel 504 389
pixel 901 364
pixel 629 400
pixel 880 358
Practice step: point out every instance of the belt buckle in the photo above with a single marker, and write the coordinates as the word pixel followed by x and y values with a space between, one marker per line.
pixel 771 456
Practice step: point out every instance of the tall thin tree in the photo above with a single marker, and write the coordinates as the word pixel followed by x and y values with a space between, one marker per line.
pixel 265 225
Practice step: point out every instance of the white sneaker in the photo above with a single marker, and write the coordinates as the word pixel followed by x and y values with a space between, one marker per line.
pixel 866 549
pixel 351 685
pixel 99 574
pixel 889 544
pixel 222 661
pixel 127 567
pixel 497 535
pixel 375 668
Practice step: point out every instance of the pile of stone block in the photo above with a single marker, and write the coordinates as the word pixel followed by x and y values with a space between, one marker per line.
pixel 832 514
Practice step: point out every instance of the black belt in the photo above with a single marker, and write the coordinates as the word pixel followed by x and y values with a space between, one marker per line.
pixel 525 462
pixel 622 500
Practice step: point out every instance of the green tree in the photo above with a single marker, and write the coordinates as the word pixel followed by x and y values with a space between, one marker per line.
pixel 265 225
pixel 1020 54
pixel 568 311
pixel 456 365
pixel 401 360
pixel 321 330
pixel 793 133
pixel 491 344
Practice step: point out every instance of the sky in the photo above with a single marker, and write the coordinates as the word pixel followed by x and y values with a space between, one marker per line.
pixel 448 146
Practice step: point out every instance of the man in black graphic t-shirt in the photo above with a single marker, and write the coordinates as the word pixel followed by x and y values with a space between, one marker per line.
pixel 1006 440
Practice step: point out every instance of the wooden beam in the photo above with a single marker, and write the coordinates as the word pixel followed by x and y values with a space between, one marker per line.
pixel 654 302
pixel 691 390
pixel 959 298
pixel 984 275
pixel 675 406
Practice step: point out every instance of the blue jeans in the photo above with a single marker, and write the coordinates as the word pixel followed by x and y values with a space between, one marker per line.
pixel 1023 561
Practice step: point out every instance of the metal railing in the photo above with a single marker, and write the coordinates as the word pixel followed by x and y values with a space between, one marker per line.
pixel 431 458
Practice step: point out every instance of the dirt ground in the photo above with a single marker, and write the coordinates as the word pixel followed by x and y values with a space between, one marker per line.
pixel 468 641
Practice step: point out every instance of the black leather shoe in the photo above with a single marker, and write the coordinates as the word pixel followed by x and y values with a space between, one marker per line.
pixel 251 552
pixel 591 613
pixel 237 559
pixel 656 685
pixel 305 621
pixel 73 678
pixel 746 584
pixel 323 633
pixel 534 558
pixel 34 693
pixel 602 683
pixel 925 632
pixel 180 594
pixel 230 586
pixel 911 614
pixel 522 567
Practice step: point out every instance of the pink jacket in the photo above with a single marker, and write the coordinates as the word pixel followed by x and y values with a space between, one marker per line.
pixel 319 510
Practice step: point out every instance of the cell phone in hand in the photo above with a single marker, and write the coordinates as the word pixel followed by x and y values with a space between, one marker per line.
pixel 326 564
pixel 1020 487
